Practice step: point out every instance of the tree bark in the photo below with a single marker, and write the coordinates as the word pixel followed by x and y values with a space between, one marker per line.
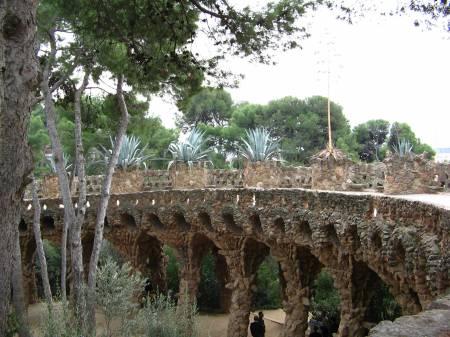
pixel 64 188
pixel 17 290
pixel 40 245
pixel 103 204
pixel 17 80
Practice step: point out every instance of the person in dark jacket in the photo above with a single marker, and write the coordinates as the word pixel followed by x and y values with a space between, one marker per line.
pixel 256 328
pixel 315 332
pixel 263 325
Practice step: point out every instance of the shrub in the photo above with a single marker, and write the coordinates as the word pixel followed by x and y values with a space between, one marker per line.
pixel 190 150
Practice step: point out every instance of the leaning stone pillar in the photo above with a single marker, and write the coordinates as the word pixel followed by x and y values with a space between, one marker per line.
pixel 189 276
pixel 241 295
pixel 298 271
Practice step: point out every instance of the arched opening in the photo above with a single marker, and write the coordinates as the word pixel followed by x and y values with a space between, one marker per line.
pixel 212 294
pixel 127 220
pixel 23 226
pixel 376 240
pixel 305 230
pixel 399 252
pixel 354 237
pixel 228 219
pixel 53 259
pixel 255 222
pixel 154 221
pixel 180 222
pixel 151 262
pixel 331 234
pixel 205 220
pixel 279 225
pixel 47 222
pixel 172 270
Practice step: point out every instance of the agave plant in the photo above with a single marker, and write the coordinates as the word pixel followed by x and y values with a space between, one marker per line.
pixel 131 154
pixel 52 164
pixel 403 148
pixel 258 145
pixel 190 150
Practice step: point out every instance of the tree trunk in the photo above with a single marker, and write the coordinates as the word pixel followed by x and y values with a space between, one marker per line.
pixel 64 188
pixel 103 204
pixel 40 245
pixel 17 290
pixel 17 80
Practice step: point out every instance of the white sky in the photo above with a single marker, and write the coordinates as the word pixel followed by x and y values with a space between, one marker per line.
pixel 384 68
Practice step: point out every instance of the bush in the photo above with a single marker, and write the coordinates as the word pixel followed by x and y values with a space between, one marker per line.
pixel 172 271
pixel 326 301
pixel 209 288
pixel 163 318
pixel 59 321
pixel 116 289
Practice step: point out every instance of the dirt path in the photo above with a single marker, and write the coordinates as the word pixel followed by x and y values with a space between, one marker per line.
pixel 210 325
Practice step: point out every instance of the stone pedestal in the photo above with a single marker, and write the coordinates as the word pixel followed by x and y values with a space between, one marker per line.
pixel 263 174
pixel 184 176
pixel 409 174
pixel 330 169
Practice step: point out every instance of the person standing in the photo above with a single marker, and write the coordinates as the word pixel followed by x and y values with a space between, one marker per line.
pixel 256 328
pixel 263 324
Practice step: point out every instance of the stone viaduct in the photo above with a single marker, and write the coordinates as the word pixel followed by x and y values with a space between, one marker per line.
pixel 360 238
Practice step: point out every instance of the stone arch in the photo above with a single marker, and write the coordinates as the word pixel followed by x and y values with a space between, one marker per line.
pixel 180 221
pixel 230 223
pixel 255 222
pixel 203 247
pixel 254 253
pixel 150 260
pixel 153 220
pixel 305 230
pixel 205 220
pixel 127 220
pixel 279 225
pixel 331 235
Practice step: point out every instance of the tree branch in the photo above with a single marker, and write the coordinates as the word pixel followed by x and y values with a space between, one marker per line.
pixel 206 10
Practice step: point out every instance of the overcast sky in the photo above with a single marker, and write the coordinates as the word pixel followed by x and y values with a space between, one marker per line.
pixel 381 68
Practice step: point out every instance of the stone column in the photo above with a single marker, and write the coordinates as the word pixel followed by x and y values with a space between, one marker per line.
pixel 298 271
pixel 190 274
pixel 354 282
pixel 241 295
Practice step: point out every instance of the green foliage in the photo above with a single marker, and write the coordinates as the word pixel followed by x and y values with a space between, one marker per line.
pixel 326 301
pixel 172 271
pixel 191 149
pixel 382 306
pixel 50 160
pixel 403 131
pixel 161 317
pixel 209 289
pixel 12 326
pixel 131 154
pixel 268 287
pixel 370 137
pixel 53 259
pixel 59 321
pixel 258 145
pixel 210 106
pixel 116 288
pixel 403 148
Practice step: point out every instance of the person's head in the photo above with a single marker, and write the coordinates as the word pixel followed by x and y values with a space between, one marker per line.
pixel 256 318
pixel 261 315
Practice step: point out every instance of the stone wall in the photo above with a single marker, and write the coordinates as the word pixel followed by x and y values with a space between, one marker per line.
pixel 409 175
pixel 414 175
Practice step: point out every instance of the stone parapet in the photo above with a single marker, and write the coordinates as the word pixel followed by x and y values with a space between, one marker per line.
pixel 395 176
pixel 409 175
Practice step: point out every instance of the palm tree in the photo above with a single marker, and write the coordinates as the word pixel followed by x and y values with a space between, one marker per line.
pixel 258 145
pixel 190 150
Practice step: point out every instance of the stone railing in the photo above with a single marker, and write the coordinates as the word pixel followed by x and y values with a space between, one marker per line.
pixel 394 176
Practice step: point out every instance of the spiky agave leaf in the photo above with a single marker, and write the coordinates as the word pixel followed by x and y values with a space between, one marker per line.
pixel 52 164
pixel 403 148
pixel 190 150
pixel 131 154
pixel 258 145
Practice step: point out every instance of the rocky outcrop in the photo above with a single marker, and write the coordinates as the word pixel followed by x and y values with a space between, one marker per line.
pixel 433 322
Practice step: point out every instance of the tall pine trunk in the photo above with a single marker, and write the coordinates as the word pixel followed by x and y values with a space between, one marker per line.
pixel 18 65
pixel 18 296
pixel 103 204
pixel 40 245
